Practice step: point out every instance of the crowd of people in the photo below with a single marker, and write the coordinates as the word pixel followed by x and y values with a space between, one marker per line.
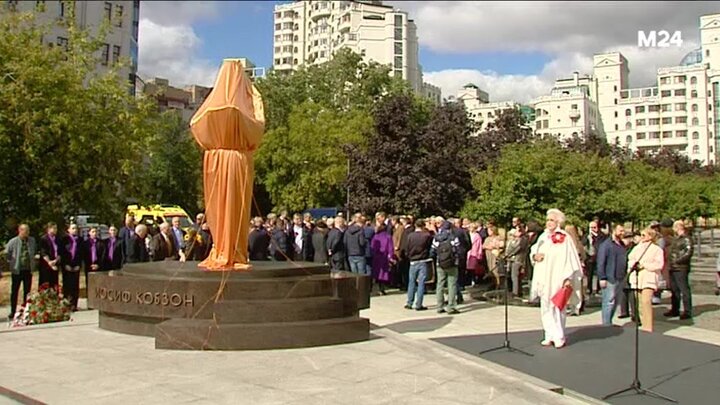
pixel 406 253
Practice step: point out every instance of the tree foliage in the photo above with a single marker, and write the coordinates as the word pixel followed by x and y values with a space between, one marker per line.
pixel 529 179
pixel 313 115
pixel 172 172
pixel 417 160
pixel 70 136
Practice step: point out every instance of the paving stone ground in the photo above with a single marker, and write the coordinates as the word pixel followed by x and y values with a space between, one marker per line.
pixel 77 363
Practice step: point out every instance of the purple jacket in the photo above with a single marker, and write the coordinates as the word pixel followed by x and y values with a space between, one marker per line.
pixel 382 251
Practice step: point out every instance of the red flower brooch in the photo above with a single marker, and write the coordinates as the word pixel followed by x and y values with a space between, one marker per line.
pixel 558 237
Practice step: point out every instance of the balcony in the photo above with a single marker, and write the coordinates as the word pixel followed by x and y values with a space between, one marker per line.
pixel 319 11
pixel 574 115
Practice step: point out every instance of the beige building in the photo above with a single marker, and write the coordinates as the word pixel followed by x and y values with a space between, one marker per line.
pixel 679 112
pixel 121 40
pixel 309 32
pixel 569 110
pixel 433 93
pixel 478 105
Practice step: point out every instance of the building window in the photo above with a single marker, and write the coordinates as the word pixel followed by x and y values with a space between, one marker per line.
pixel 654 108
pixel 664 80
pixel 680 106
pixel 398 20
pixel 616 127
pixel 616 114
pixel 696 150
pixel 278 26
pixel 666 108
pixel 105 54
pixel 693 94
pixel 640 109
pixel 681 134
pixel 707 52
pixel 398 62
pixel 116 53
pixel 628 112
pixel 680 79
pixel 695 122
pixel 614 88
pixel 398 34
pixel 397 72
pixel 277 49
pixel 680 92
pixel 628 125
pixel 667 134
pixel 628 139
pixel 398 48
pixel 667 120
pixel 693 80
pixel 573 107
pixel 640 123
pixel 665 93
pixel 654 135
pixel 108 11
pixel 640 135
pixel 654 121
pixel 277 61
pixel 681 120
pixel 615 101
pixel 694 108
pixel 118 15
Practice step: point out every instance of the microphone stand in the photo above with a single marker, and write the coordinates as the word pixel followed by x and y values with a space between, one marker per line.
pixel 506 343
pixel 636 385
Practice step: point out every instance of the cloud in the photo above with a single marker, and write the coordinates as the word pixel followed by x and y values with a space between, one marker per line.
pixel 169 46
pixel 569 33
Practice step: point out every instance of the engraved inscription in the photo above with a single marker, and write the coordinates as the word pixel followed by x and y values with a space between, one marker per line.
pixel 146 297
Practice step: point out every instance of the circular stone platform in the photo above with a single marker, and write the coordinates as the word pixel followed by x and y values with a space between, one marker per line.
pixel 276 305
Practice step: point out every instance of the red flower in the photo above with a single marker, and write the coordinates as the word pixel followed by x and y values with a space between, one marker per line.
pixel 558 237
pixel 33 314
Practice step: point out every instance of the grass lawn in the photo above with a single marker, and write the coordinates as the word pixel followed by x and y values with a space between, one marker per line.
pixel 5 287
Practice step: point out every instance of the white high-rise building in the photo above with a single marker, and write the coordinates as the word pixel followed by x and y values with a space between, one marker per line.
pixel 679 112
pixel 478 105
pixel 121 40
pixel 309 32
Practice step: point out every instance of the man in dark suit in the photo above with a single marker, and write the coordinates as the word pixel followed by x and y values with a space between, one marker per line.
pixel 178 234
pixel 72 261
pixel 137 251
pixel 126 235
pixel 258 241
pixel 164 246
pixel 404 262
pixel 113 255
pixel 463 236
pixel 51 249
pixel 93 254
pixel 300 238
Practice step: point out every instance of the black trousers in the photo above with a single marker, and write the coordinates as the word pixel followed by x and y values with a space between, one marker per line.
pixel 71 287
pixel 591 266
pixel 680 287
pixel 50 276
pixel 404 267
pixel 25 277
pixel 462 270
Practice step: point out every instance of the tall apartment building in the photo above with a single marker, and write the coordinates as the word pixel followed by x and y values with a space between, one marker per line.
pixel 309 32
pixel 478 105
pixel 679 112
pixel 121 41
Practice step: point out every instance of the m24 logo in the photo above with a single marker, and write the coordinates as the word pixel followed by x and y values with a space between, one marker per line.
pixel 659 39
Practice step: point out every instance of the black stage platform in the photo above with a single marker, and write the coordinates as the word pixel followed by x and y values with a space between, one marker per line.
pixel 599 360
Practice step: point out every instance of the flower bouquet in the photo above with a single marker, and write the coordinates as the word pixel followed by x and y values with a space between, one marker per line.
pixel 44 306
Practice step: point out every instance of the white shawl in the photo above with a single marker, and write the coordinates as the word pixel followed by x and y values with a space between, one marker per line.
pixel 561 263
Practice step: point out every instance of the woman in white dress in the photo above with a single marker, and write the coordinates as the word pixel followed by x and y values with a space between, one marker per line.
pixel 557 265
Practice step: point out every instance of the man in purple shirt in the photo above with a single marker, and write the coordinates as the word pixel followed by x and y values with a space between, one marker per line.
pixel 72 261
pixel 113 257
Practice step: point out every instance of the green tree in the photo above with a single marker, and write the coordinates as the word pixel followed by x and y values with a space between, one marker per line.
pixel 308 167
pixel 70 137
pixel 313 115
pixel 172 172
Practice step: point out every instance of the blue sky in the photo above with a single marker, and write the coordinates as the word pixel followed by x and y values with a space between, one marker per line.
pixel 227 36
pixel 513 50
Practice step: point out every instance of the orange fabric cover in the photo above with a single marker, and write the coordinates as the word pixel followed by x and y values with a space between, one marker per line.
pixel 229 126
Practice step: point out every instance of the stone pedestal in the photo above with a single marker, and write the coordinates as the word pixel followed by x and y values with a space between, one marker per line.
pixel 276 305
